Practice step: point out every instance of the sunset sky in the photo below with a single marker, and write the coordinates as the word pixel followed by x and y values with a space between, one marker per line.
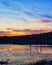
pixel 24 17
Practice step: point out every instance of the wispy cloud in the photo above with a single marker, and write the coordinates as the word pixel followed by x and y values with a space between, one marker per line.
pixel 29 31
pixel 29 13
pixel 24 10
pixel 9 29
pixel 4 33
pixel 13 13
pixel 48 16
pixel 46 21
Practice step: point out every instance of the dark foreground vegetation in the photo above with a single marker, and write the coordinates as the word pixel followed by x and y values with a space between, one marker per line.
pixel 43 62
pixel 45 38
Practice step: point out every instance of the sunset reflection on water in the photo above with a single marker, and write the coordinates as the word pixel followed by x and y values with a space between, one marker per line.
pixel 23 53
pixel 43 49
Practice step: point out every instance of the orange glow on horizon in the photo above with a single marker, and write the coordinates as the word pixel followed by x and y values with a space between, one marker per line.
pixel 14 34
pixel 23 32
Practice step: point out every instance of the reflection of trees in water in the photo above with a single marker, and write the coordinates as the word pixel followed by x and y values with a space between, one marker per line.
pixel 39 48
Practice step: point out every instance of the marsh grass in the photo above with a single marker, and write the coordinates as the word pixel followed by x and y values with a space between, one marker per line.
pixel 42 62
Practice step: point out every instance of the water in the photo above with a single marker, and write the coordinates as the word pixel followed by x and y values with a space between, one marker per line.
pixel 20 54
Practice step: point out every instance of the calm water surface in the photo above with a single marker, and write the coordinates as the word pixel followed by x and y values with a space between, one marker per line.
pixel 25 53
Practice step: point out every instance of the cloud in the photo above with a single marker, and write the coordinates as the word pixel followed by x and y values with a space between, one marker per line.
pixel 13 13
pixel 15 32
pixel 22 19
pixel 46 21
pixel 29 13
pixel 4 33
pixel 5 2
pixel 29 31
pixel 24 9
pixel 9 28
pixel 46 16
